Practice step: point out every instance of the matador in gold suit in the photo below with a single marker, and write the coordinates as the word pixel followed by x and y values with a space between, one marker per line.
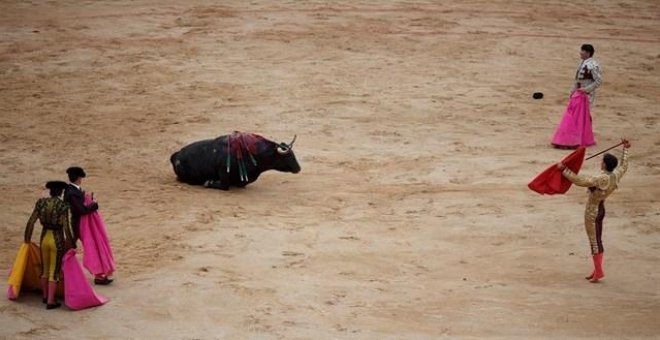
pixel 55 238
pixel 600 187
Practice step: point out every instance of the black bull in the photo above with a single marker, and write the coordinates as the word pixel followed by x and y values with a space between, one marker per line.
pixel 232 160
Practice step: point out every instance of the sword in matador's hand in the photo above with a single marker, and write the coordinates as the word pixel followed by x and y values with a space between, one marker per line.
pixel 624 142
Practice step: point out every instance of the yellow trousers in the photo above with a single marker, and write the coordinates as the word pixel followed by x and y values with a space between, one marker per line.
pixel 48 256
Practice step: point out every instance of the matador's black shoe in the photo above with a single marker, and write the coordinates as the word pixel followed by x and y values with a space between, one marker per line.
pixel 53 306
pixel 103 282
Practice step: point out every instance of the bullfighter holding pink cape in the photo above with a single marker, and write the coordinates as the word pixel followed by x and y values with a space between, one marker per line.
pixel 97 256
pixel 575 127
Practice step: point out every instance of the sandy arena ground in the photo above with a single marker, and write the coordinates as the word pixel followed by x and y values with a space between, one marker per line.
pixel 417 136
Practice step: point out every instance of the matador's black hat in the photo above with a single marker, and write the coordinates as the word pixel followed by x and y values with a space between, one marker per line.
pixel 56 185
pixel 76 171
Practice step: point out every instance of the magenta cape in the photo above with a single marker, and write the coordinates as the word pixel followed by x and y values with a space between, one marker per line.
pixel 78 293
pixel 97 255
pixel 551 181
pixel 575 126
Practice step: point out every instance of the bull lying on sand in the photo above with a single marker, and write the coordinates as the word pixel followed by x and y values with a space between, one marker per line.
pixel 232 160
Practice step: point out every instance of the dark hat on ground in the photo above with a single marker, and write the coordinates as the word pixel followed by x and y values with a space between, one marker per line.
pixel 56 185
pixel 76 171
pixel 537 95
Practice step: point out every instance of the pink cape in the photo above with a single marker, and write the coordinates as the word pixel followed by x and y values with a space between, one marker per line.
pixel 97 255
pixel 78 293
pixel 551 181
pixel 575 127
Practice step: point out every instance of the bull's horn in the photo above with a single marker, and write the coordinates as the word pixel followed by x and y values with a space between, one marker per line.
pixel 293 141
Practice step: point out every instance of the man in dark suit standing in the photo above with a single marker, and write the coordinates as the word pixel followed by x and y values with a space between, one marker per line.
pixel 75 197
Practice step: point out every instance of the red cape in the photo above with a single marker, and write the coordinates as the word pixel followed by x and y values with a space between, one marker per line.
pixel 551 181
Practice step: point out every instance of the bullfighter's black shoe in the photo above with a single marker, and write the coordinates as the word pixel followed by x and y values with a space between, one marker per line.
pixel 103 282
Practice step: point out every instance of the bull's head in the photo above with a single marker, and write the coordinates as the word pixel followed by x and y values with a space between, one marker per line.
pixel 286 159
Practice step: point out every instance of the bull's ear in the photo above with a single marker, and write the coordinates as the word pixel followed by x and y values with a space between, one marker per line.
pixel 283 149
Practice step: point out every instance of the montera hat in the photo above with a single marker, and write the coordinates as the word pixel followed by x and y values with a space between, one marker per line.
pixel 56 185
pixel 76 171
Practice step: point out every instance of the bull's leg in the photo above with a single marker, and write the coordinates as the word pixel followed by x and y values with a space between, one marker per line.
pixel 217 184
